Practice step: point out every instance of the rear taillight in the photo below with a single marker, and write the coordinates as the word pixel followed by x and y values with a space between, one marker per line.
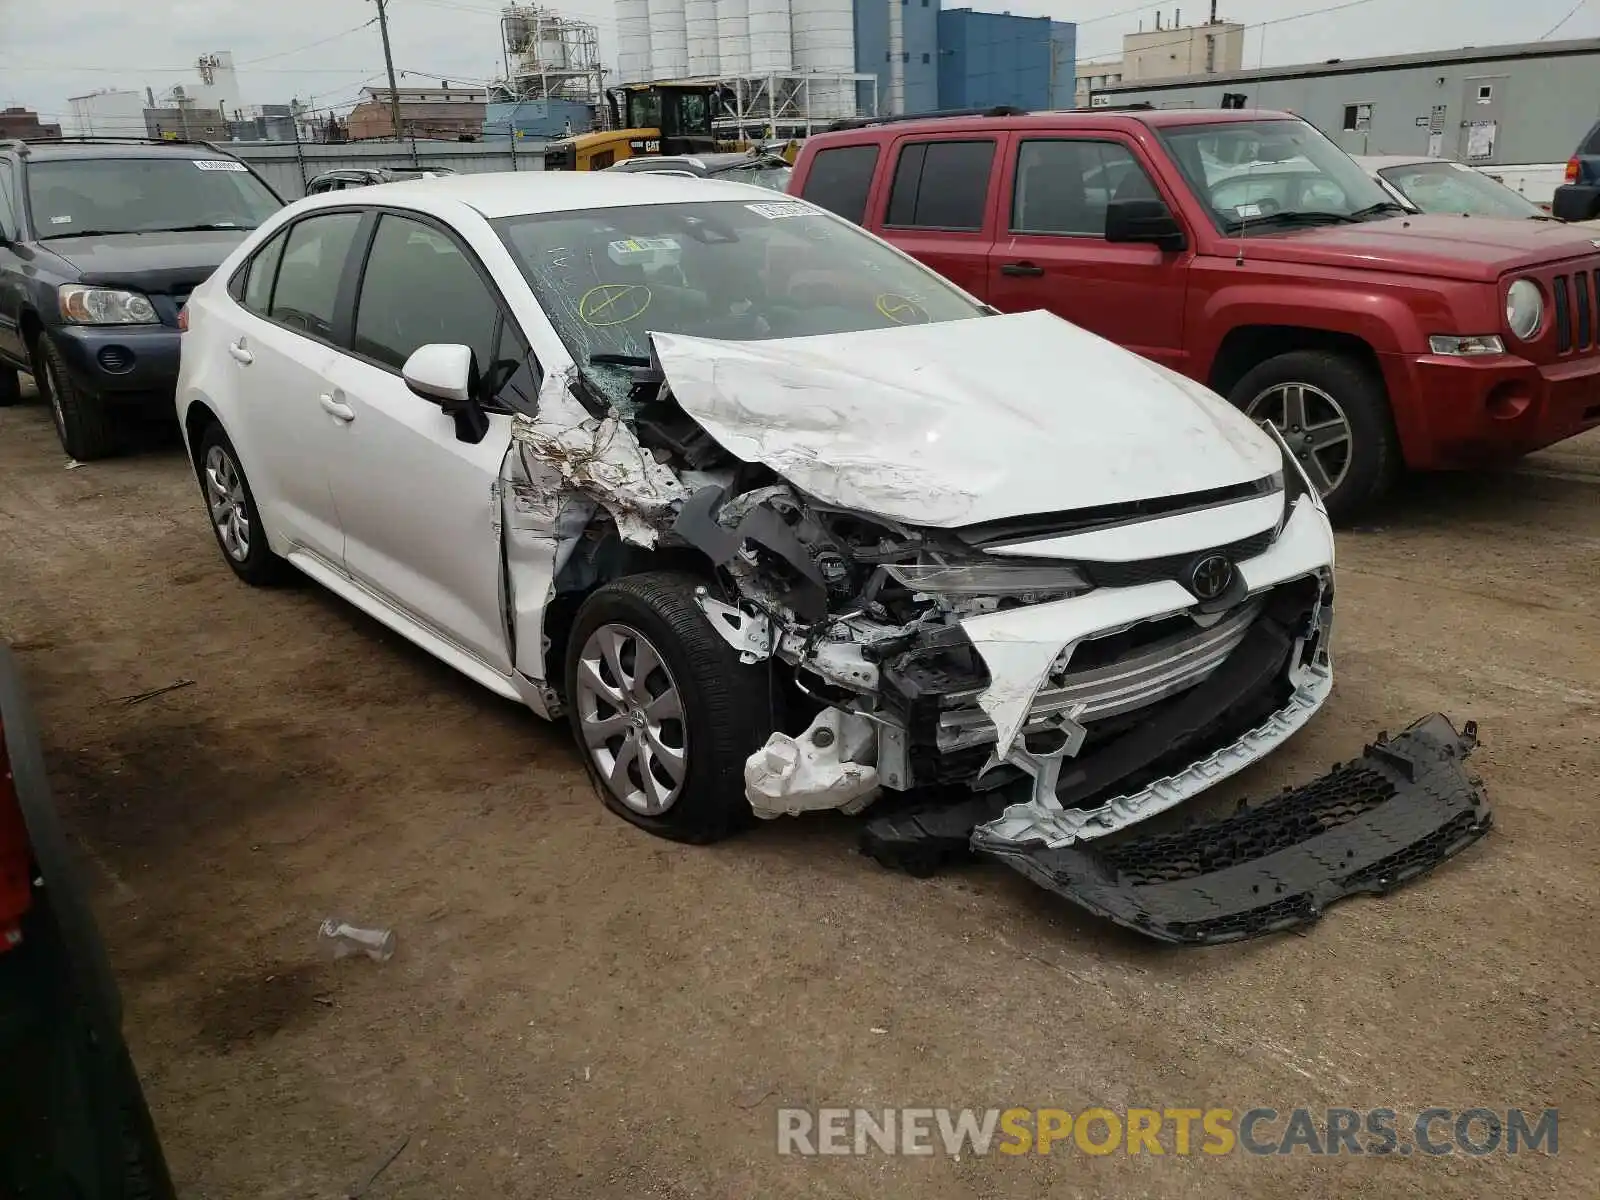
pixel 1572 170
pixel 183 319
pixel 16 889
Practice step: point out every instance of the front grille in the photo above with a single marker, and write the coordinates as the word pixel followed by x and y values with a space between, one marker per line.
pixel 1152 570
pixel 1575 310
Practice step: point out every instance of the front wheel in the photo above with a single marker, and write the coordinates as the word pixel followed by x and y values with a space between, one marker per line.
pixel 235 519
pixel 1333 412
pixel 664 712
pixel 82 422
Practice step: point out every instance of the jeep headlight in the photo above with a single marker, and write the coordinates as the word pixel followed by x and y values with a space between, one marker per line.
pixel 1034 578
pixel 104 306
pixel 1524 308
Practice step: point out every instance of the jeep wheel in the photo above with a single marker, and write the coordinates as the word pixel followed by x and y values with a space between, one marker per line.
pixel 664 712
pixel 82 423
pixel 10 387
pixel 1334 414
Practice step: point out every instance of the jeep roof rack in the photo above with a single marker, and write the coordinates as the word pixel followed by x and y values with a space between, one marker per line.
pixel 998 110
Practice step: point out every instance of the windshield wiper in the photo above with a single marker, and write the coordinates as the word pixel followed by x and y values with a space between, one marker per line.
pixel 202 228
pixel 1240 224
pixel 1382 206
pixel 52 237
pixel 619 360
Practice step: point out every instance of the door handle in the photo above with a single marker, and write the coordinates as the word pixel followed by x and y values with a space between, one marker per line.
pixel 240 352
pixel 1022 268
pixel 336 409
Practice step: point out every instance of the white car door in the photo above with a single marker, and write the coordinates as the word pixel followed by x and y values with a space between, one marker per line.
pixel 418 506
pixel 279 346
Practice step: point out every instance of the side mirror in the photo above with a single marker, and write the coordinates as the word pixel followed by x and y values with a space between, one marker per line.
pixel 448 376
pixel 1144 221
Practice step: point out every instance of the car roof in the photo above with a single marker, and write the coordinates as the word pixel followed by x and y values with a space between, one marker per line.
pixel 41 151
pixel 521 193
pixel 1077 118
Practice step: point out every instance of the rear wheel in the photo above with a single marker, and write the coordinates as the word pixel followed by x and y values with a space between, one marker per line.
pixel 663 710
pixel 82 423
pixel 1334 413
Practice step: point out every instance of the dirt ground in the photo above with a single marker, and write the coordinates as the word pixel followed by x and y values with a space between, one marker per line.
pixel 577 1010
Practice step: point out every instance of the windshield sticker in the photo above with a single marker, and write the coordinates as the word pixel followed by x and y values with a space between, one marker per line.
pixel 61 220
pixel 774 210
pixel 613 304
pixel 219 164
pixel 1247 210
pixel 663 251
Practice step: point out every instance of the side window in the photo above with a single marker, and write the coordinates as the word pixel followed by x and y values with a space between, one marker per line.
pixel 260 274
pixel 840 179
pixel 1065 186
pixel 10 218
pixel 308 275
pixel 420 288
pixel 941 185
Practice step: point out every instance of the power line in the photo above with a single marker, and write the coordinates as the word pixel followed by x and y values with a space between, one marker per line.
pixel 250 62
pixel 1572 12
pixel 1315 12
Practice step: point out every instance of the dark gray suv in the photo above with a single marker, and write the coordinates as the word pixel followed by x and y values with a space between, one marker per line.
pixel 101 242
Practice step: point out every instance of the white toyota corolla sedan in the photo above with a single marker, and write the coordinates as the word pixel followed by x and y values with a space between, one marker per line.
pixel 777 518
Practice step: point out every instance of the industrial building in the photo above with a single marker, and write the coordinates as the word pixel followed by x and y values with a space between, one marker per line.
pixel 1166 52
pixel 425 112
pixel 819 60
pixel 1483 105
pixel 553 84
pixel 24 123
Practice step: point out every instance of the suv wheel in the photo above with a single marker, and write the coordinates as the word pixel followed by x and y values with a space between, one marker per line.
pixel 1334 414
pixel 664 712
pixel 235 519
pixel 10 386
pixel 82 423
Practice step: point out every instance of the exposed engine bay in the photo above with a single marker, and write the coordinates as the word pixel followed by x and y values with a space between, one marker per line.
pixel 1024 683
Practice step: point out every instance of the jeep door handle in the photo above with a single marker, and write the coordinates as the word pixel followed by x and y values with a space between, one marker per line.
pixel 240 352
pixel 1022 268
pixel 336 409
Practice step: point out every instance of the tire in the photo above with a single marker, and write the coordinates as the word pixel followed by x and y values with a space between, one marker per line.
pixel 10 386
pixel 231 509
pixel 1331 387
pixel 725 705
pixel 82 422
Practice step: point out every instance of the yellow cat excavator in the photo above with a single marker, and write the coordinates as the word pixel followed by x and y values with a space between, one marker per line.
pixel 649 119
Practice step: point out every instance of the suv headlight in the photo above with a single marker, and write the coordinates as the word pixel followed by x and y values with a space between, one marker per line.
pixel 104 306
pixel 1524 308
pixel 1000 577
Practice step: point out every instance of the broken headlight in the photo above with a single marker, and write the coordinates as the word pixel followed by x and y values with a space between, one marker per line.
pixel 1020 577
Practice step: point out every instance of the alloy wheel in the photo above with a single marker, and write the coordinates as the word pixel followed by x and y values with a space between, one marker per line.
pixel 225 498
pixel 630 712
pixel 1315 427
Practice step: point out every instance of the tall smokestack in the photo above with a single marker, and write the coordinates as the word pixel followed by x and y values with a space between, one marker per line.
pixel 1213 12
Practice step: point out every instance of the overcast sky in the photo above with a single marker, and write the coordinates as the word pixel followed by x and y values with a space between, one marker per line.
pixel 50 51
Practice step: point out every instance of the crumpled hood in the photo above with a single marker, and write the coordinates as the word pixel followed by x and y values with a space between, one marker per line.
pixel 964 422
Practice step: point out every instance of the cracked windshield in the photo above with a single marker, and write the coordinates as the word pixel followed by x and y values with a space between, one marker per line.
pixel 1267 176
pixel 736 270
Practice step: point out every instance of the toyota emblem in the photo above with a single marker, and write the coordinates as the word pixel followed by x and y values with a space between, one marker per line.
pixel 1211 576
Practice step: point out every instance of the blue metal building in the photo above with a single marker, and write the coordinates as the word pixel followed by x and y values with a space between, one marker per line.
pixel 959 58
pixel 996 58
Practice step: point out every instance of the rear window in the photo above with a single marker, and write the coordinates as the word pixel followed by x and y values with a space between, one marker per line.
pixel 840 179
pixel 941 185
pixel 1591 143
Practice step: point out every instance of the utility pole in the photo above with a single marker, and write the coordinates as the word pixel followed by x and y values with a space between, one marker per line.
pixel 388 62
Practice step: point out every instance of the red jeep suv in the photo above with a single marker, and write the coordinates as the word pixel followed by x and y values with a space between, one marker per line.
pixel 1248 252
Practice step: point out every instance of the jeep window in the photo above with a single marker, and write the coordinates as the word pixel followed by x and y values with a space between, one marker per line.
pixel 74 196
pixel 941 185
pixel 1065 186
pixel 737 270
pixel 308 276
pixel 1267 176
pixel 1591 142
pixel 840 179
